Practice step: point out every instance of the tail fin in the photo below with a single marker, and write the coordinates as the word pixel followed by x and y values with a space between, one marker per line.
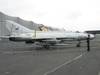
pixel 14 27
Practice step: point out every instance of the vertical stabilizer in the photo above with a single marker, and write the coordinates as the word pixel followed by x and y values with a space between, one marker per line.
pixel 14 27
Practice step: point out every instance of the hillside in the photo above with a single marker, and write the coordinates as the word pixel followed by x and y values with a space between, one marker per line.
pixel 28 24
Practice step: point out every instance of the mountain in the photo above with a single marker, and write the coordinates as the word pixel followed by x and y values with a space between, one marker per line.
pixel 28 24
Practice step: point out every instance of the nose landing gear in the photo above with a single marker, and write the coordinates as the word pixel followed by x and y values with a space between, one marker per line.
pixel 88 43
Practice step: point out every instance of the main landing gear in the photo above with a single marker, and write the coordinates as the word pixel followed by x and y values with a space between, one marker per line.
pixel 46 46
pixel 78 44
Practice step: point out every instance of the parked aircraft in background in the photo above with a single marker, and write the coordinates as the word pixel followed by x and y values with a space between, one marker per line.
pixel 19 33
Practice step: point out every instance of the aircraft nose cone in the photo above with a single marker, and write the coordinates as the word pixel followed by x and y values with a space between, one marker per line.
pixel 92 36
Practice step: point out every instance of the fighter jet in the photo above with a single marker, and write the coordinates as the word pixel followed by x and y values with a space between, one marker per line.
pixel 19 33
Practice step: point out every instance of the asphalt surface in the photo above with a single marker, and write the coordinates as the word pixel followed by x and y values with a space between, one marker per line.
pixel 22 59
pixel 88 64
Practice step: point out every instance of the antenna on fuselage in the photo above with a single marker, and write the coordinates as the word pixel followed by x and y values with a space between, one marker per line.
pixel 35 33
pixel 11 29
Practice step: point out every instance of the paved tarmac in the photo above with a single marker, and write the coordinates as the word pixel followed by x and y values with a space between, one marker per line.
pixel 22 59
pixel 88 64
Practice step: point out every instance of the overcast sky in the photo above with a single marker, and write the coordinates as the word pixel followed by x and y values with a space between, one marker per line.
pixel 68 14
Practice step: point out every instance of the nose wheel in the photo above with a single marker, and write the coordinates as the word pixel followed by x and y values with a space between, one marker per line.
pixel 88 43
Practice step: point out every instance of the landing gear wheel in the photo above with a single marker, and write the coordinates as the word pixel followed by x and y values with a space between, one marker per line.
pixel 46 46
pixel 78 45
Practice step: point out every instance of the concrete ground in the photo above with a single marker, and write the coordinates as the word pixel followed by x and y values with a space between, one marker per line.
pixel 88 64
pixel 22 59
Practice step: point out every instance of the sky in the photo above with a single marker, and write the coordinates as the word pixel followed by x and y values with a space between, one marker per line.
pixel 71 15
